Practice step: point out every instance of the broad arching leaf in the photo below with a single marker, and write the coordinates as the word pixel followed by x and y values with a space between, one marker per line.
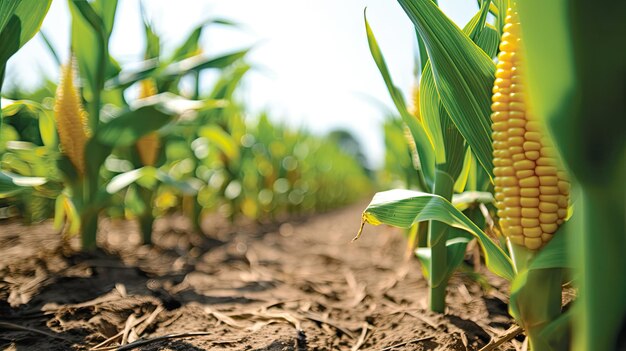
pixel 462 72
pixel 403 208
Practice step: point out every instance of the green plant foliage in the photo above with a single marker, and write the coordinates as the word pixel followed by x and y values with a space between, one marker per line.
pixel 463 74
pixel 403 208
pixel 424 145
pixel 581 102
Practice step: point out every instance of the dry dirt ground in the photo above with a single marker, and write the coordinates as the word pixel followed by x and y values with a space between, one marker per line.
pixel 301 285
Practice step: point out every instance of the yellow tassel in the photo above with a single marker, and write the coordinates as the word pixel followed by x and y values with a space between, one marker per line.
pixel 71 119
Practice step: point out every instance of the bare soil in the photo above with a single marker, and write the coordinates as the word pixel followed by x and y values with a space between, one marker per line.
pixel 300 285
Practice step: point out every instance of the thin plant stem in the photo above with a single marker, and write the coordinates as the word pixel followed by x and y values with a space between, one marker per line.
pixel 437 237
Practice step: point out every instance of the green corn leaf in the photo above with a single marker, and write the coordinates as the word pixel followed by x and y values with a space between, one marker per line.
pixel 200 62
pixel 65 212
pixel 170 72
pixel 92 24
pixel 127 128
pixel 183 186
pixel 581 101
pixel 462 180
pixel 498 9
pixel 59 212
pixel 7 9
pixel 7 187
pixel 424 145
pixel 224 141
pixel 463 75
pixel 53 52
pixel 153 41
pixel 403 208
pixel 125 179
pixel 19 22
pixel 225 86
pixel 559 330
pixel 13 184
pixel 73 218
pixel 465 199
pixel 191 45
pixel 126 78
pixel 455 253
pixel 444 134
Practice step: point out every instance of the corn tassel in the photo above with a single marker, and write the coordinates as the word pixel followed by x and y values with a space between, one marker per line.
pixel 148 146
pixel 531 190
pixel 71 119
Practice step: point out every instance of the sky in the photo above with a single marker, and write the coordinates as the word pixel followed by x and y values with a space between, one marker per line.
pixel 313 66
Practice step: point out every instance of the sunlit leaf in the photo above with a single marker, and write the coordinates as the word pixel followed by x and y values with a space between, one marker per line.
pixel 403 208
pixel 463 75
pixel 222 140
pixel 425 148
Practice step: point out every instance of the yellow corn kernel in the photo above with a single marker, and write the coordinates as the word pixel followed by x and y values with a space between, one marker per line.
pixel 534 136
pixel 548 180
pixel 500 126
pixel 548 218
pixel 549 198
pixel 530 182
pixel 504 171
pixel 532 146
pixel 544 161
pixel 512 201
pixel 508 181
pixel 531 191
pixel 545 170
pixel 532 155
pixel 530 212
pixel 517 123
pixel 529 222
pixel 549 190
pixel 533 243
pixel 518 157
pixel 524 165
pixel 534 232
pixel 550 227
pixel 529 201
pixel 548 207
pixel 71 119
pixel 517 239
pixel 525 173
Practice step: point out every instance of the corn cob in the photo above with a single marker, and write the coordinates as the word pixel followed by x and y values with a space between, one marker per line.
pixel 71 119
pixel 148 145
pixel 531 190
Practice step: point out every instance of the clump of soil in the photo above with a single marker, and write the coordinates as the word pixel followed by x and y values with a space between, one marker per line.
pixel 302 285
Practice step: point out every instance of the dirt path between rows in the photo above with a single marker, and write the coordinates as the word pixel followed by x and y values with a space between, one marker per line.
pixel 301 285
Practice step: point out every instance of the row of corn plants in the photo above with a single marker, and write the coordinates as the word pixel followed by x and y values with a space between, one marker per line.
pixel 84 147
pixel 501 109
